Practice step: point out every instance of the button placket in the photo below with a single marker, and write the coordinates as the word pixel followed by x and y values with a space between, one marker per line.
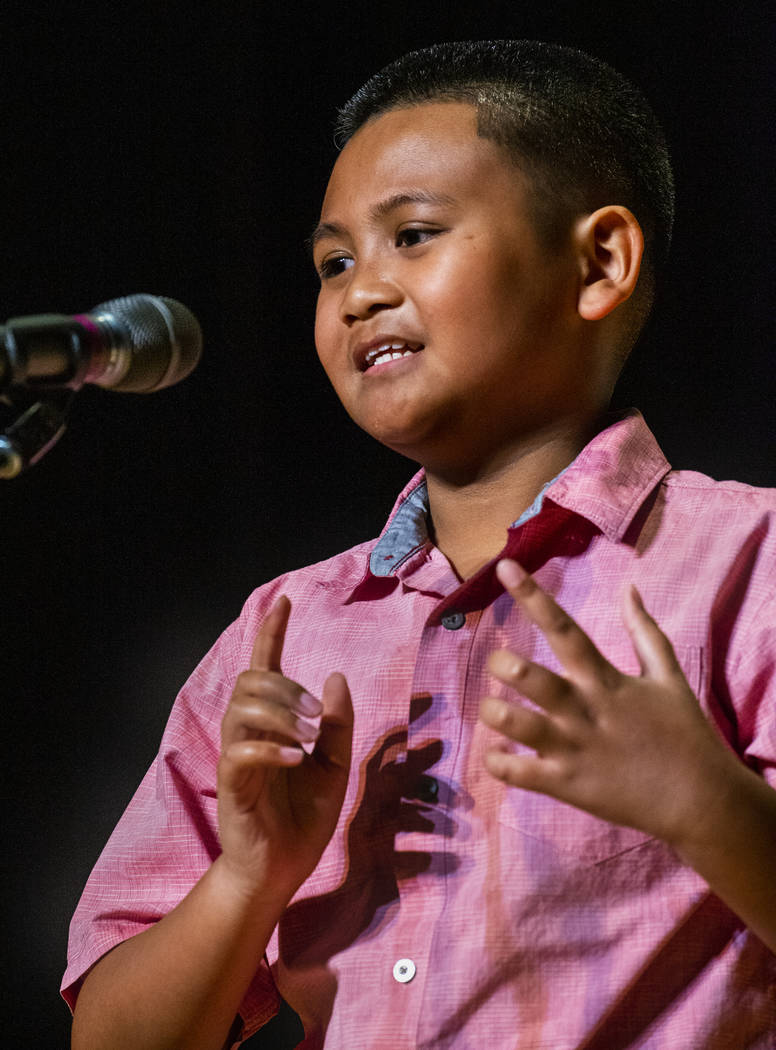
pixel 441 674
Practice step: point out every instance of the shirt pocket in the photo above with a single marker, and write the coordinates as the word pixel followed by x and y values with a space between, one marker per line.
pixel 560 834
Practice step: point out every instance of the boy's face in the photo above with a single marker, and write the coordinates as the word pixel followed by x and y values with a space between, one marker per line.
pixel 426 249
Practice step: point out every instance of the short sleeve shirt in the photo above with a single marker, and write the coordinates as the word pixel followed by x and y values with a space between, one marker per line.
pixel 449 910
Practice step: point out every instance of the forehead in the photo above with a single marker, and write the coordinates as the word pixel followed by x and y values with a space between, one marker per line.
pixel 432 148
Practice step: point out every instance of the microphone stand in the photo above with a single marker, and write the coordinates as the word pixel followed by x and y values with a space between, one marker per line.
pixel 33 432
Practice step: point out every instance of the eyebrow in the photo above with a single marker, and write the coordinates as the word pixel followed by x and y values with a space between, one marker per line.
pixel 380 211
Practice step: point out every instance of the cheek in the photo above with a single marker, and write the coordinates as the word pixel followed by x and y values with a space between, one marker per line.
pixel 331 347
pixel 476 314
pixel 452 305
pixel 323 333
pixel 471 290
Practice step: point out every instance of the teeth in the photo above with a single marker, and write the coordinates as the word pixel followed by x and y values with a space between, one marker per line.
pixel 389 352
pixel 390 357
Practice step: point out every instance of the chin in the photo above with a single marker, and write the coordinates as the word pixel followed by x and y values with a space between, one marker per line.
pixel 413 445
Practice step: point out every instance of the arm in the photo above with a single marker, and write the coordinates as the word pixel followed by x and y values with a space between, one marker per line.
pixel 636 751
pixel 180 983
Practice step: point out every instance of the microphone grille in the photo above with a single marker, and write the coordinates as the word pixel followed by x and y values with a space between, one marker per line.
pixel 163 336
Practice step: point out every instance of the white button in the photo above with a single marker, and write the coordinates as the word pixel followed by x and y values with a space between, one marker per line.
pixel 404 970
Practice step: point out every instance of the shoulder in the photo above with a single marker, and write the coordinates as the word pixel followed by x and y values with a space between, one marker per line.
pixel 729 509
pixel 314 591
pixel 711 543
pixel 335 576
pixel 722 537
pixel 317 593
pixel 690 484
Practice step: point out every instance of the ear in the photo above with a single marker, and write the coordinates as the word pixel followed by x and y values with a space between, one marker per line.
pixel 609 245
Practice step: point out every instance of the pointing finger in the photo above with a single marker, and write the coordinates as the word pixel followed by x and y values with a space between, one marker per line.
pixel 268 647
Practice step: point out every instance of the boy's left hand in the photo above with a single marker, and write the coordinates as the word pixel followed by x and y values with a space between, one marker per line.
pixel 633 751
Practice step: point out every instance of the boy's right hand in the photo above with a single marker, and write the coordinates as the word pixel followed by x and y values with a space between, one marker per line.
pixel 277 806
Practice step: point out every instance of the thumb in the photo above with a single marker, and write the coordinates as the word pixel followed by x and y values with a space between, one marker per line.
pixel 335 740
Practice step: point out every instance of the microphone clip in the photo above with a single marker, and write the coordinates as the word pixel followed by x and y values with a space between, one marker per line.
pixel 33 432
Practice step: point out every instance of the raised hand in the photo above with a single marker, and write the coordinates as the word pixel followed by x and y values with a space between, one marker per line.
pixel 180 982
pixel 636 751
pixel 278 806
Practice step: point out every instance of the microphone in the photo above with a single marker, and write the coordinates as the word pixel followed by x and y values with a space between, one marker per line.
pixel 136 344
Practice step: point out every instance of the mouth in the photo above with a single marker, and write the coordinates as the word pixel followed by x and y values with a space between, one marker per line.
pixel 379 354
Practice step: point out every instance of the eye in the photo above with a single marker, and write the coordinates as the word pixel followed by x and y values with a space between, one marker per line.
pixel 333 266
pixel 410 236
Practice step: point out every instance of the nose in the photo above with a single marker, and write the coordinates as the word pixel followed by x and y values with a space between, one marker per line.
pixel 370 289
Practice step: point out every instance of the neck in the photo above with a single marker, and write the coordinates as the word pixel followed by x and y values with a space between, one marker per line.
pixel 471 511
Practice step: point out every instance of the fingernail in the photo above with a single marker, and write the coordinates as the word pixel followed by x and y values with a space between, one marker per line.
pixel 291 755
pixel 504 663
pixel 307 731
pixel 308 705
pixel 510 573
pixel 493 711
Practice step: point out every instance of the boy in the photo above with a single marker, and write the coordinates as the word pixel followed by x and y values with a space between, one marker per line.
pixel 529 828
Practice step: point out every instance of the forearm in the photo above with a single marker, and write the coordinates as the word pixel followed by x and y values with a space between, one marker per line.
pixel 178 984
pixel 733 847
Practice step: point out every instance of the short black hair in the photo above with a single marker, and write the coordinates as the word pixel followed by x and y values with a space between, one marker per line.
pixel 583 134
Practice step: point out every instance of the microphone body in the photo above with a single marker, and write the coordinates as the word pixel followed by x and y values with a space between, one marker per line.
pixel 135 344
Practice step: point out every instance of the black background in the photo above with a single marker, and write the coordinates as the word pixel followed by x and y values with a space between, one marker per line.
pixel 183 150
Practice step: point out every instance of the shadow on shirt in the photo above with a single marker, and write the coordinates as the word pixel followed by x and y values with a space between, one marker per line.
pixel 396 795
pixel 393 799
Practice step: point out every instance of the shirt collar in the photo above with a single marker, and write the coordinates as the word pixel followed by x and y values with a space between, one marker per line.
pixel 612 476
pixel 606 484
pixel 406 531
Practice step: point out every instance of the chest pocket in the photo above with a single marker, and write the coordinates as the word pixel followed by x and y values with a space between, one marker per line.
pixel 560 835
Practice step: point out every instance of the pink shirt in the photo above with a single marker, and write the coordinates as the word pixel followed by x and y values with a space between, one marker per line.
pixel 450 911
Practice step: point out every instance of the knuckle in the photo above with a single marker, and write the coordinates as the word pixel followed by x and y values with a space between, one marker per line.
pixel 527 587
pixel 611 679
pixel 551 617
pixel 249 680
pixel 240 709
pixel 560 623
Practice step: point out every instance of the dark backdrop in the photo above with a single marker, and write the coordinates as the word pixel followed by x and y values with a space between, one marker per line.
pixel 182 150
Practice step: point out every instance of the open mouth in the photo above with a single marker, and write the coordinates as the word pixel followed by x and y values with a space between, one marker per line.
pixel 380 355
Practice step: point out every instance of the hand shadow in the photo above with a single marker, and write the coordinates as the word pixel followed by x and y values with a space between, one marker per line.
pixel 396 795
